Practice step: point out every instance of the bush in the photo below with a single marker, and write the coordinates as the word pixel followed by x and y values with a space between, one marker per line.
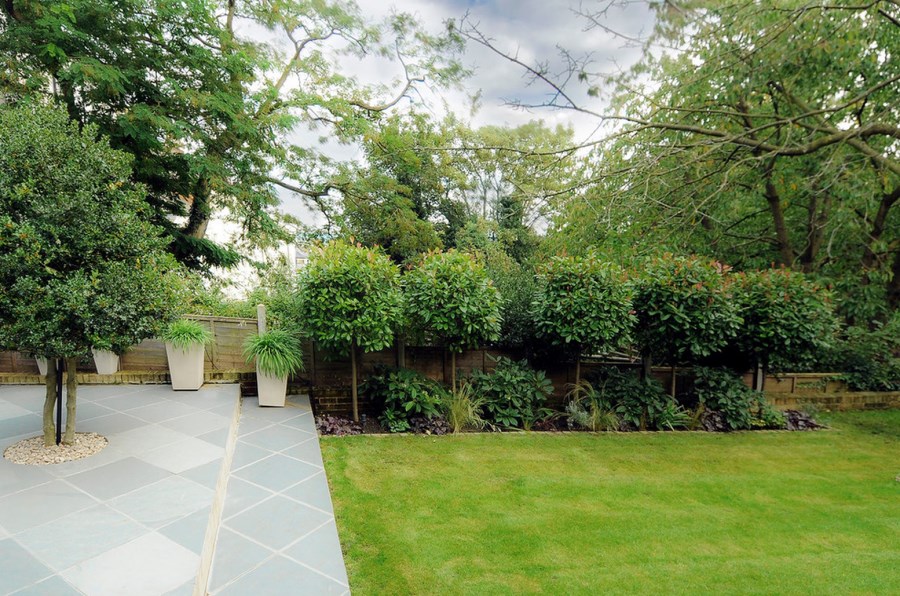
pixel 463 409
pixel 639 404
pixel 722 392
pixel 514 394
pixel 403 394
pixel 868 357
pixel 589 409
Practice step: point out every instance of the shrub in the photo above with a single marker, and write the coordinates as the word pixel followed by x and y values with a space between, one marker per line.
pixel 638 403
pixel 185 333
pixel 720 390
pixel 463 409
pixel 686 309
pixel 514 394
pixel 404 394
pixel 588 409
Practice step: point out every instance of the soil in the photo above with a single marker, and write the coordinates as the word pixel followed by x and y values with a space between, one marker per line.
pixel 32 451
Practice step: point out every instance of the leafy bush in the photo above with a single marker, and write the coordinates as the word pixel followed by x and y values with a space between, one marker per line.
pixel 514 394
pixel 638 403
pixel 588 409
pixel 868 357
pixel 686 309
pixel 403 394
pixel 720 390
pixel 337 426
pixel 277 352
pixel 463 409
pixel 186 333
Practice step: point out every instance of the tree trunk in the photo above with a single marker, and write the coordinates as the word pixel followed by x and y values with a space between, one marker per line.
pixel 71 395
pixel 401 351
pixel 353 391
pixel 49 402
pixel 785 251
pixel 453 371
pixel 674 376
pixel 578 369
pixel 893 289
pixel 646 367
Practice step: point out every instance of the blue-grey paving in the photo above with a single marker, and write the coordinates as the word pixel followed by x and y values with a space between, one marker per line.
pixel 133 518
pixel 277 534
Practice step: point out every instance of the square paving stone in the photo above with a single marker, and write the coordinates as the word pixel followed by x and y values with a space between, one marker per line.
pixel 313 491
pixel 52 586
pixel 18 569
pixel 245 454
pixel 16 477
pixel 251 425
pixel 279 576
pixel 240 495
pixel 40 504
pixel 116 422
pixel 276 437
pixel 308 451
pixel 189 531
pixel 321 550
pixel 234 556
pixel 218 436
pixel 146 438
pixel 162 410
pixel 11 410
pixel 185 589
pixel 276 522
pixel 86 411
pixel 304 421
pixel 208 474
pixel 117 478
pixel 252 409
pixel 277 472
pixel 148 566
pixel 187 454
pixel 17 426
pixel 80 536
pixel 198 423
pixel 164 502
pixel 130 401
pixel 107 455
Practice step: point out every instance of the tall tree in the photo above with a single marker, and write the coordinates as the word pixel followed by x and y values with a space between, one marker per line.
pixel 208 114
pixel 80 265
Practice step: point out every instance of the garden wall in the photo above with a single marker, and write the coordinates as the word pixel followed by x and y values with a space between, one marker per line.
pixel 327 376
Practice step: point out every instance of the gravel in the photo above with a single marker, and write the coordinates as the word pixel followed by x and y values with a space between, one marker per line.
pixel 32 451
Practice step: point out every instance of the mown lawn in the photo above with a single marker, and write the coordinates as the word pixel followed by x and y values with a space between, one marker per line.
pixel 763 512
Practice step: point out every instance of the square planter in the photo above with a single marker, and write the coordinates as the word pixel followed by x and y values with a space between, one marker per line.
pixel 107 362
pixel 42 365
pixel 186 367
pixel 271 390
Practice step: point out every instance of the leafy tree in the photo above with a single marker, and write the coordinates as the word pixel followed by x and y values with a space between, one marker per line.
pixel 349 299
pixel 206 113
pixel 786 318
pixel 756 132
pixel 585 303
pixel 686 310
pixel 450 298
pixel 80 264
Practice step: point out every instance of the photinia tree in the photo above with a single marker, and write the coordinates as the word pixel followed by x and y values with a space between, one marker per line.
pixel 348 298
pixel 686 309
pixel 450 298
pixel 80 265
pixel 584 303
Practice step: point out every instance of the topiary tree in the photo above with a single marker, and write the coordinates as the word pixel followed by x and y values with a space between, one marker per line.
pixel 686 310
pixel 80 264
pixel 348 298
pixel 584 303
pixel 786 318
pixel 450 298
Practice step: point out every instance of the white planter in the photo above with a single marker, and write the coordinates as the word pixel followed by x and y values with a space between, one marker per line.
pixel 272 390
pixel 186 367
pixel 107 362
pixel 42 365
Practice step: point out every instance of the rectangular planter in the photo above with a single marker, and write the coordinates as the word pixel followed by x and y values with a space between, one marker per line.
pixel 186 367
pixel 271 390
pixel 107 362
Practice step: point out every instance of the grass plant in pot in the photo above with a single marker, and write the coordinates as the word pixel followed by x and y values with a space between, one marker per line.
pixel 185 349
pixel 278 355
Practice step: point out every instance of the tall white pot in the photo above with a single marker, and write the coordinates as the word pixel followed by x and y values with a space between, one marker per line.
pixel 42 365
pixel 272 390
pixel 107 362
pixel 186 366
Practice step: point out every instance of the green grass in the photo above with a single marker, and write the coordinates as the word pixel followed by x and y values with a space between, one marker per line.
pixel 763 512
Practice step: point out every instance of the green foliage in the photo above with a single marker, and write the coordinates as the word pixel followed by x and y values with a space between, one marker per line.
pixel 450 298
pixel 463 409
pixel 186 333
pixel 686 309
pixel 786 318
pixel 514 394
pixel 639 404
pixel 277 352
pixel 347 295
pixel 869 357
pixel 584 302
pixel 722 391
pixel 589 409
pixel 80 264
pixel 403 393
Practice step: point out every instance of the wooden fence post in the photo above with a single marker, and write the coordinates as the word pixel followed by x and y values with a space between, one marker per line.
pixel 261 318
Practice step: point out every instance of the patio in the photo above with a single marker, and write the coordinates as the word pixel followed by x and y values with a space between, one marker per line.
pixel 192 495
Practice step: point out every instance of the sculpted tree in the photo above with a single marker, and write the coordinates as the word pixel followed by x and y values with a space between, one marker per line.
pixel 80 264
pixel 207 113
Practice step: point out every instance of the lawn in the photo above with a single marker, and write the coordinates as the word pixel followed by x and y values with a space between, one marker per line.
pixel 760 512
